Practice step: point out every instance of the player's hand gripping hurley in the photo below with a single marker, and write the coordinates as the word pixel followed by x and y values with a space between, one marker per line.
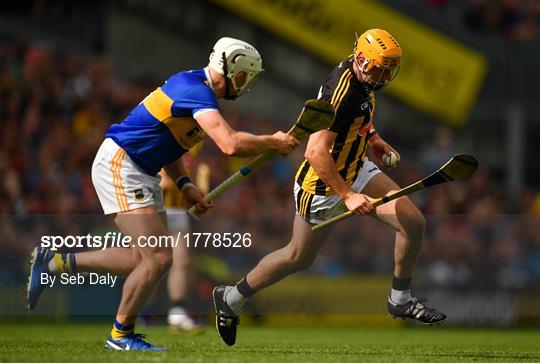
pixel 461 166
pixel 316 115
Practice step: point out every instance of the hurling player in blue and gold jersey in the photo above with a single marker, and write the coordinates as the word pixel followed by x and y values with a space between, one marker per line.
pixel 336 176
pixel 156 133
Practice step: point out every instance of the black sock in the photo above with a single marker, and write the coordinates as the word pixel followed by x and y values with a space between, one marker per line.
pixel 401 284
pixel 244 288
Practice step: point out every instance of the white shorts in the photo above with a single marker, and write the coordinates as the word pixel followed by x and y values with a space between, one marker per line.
pixel 316 209
pixel 120 184
pixel 177 220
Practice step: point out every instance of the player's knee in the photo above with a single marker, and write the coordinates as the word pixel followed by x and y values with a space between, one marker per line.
pixel 305 263
pixel 417 222
pixel 412 220
pixel 161 261
pixel 420 223
pixel 300 260
pixel 165 261
pixel 136 259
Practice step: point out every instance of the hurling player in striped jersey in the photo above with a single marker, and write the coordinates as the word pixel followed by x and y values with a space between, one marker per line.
pixel 337 176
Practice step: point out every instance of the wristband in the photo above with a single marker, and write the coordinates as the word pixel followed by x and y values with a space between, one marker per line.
pixel 183 182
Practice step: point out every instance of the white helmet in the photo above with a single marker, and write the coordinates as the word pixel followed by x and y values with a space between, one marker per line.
pixel 240 57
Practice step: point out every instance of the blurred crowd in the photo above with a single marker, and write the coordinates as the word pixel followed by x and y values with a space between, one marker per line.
pixel 56 107
pixel 514 20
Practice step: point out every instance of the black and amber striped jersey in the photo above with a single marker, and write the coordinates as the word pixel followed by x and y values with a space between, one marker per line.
pixel 354 104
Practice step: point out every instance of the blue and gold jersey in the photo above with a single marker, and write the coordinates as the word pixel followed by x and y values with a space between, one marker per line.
pixel 162 127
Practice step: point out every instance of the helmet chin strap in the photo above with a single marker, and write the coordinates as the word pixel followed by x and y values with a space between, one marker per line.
pixel 227 95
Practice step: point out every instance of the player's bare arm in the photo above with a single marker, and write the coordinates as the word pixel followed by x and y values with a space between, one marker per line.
pixel 242 144
pixel 318 155
pixel 380 148
pixel 193 196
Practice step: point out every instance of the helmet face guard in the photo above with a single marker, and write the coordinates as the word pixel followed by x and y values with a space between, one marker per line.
pixel 381 57
pixel 241 65
pixel 378 75
pixel 232 57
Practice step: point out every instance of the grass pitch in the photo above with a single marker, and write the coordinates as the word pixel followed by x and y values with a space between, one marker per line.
pixel 82 342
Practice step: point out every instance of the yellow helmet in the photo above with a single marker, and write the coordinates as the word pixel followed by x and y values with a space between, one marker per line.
pixel 379 49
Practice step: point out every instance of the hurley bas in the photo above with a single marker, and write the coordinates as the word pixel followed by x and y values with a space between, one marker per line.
pixel 79 279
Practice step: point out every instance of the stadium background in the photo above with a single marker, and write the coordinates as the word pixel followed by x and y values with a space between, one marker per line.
pixel 69 69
